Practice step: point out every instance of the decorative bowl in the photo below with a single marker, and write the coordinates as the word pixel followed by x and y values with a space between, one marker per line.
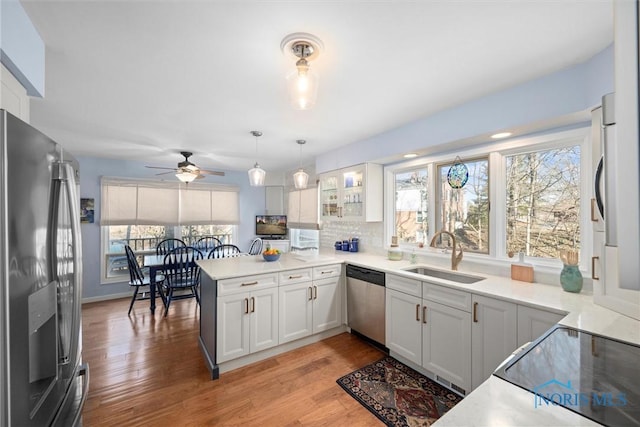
pixel 270 258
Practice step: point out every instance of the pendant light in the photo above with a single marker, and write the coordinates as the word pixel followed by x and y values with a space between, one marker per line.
pixel 256 174
pixel 300 178
pixel 302 82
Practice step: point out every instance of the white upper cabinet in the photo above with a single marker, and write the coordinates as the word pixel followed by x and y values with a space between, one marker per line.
pixel 352 194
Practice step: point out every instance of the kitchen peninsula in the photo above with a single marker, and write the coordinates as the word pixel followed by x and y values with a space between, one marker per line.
pixel 226 284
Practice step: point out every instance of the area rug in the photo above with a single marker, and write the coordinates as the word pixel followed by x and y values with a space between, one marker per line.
pixel 398 395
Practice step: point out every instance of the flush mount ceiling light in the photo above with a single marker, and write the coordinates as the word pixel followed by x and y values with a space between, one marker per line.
pixel 300 178
pixel 410 155
pixel 501 135
pixel 303 81
pixel 256 174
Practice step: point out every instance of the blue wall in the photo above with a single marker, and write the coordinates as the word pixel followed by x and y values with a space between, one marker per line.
pixel 565 92
pixel 252 202
pixel 22 49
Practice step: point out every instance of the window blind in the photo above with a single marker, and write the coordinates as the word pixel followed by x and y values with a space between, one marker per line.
pixel 146 202
pixel 303 209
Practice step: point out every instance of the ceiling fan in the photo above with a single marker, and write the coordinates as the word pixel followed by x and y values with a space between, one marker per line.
pixel 187 171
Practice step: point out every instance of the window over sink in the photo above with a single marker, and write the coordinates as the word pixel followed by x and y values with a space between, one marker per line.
pixel 522 195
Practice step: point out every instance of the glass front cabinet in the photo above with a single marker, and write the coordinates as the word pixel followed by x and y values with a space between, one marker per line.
pixel 352 194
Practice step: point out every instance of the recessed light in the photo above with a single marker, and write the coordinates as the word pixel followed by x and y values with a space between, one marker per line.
pixel 410 155
pixel 501 135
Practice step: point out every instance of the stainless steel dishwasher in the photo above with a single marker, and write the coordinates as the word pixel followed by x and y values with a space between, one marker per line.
pixel 365 302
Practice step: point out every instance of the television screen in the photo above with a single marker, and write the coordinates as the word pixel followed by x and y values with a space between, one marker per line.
pixel 271 225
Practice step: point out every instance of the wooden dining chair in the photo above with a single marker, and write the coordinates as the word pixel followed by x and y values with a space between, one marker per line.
pixel 137 279
pixel 256 246
pixel 181 273
pixel 167 245
pixel 224 251
pixel 206 243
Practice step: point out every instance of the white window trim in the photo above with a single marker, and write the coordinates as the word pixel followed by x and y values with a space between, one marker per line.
pixel 497 152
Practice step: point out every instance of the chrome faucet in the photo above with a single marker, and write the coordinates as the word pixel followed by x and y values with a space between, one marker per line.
pixel 455 259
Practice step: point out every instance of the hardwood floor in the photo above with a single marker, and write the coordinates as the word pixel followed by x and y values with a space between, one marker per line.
pixel 148 371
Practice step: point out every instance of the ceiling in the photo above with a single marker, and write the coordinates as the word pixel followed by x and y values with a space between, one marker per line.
pixel 144 80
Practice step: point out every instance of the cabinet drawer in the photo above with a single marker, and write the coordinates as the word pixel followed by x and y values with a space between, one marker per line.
pixel 447 296
pixel 327 271
pixel 247 283
pixel 295 276
pixel 406 285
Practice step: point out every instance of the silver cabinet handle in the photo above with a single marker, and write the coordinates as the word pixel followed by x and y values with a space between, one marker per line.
pixel 593 267
pixel 475 312
pixel 297 276
pixel 424 314
pixel 249 283
pixel 418 312
pixel 246 306
pixel 310 293
pixel 315 292
pixel 253 304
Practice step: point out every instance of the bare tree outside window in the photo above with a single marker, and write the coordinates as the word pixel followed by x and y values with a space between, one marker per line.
pixel 543 202
pixel 465 211
pixel 411 206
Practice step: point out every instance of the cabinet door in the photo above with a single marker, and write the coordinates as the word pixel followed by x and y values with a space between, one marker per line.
pixel 295 317
pixel 533 322
pixel 329 207
pixel 493 336
pixel 353 195
pixel 446 343
pixel 403 327
pixel 233 327
pixel 264 319
pixel 327 311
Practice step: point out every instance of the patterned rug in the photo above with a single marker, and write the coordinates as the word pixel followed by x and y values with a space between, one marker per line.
pixel 397 394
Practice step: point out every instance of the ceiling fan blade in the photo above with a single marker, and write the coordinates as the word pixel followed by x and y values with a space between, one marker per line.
pixel 164 173
pixel 206 172
pixel 159 167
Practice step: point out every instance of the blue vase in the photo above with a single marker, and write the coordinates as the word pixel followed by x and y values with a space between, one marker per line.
pixel 571 278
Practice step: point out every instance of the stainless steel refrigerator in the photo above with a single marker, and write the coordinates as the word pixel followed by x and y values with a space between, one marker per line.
pixel 43 380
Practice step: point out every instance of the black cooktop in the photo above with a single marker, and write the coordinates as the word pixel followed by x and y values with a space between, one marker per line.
pixel 595 376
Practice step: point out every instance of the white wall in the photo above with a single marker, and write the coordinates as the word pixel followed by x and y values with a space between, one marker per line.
pixel 92 169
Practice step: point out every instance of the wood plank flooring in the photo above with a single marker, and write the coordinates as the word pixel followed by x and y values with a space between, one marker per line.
pixel 148 371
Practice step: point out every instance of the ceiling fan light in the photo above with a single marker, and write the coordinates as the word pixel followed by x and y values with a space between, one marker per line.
pixel 300 179
pixel 186 176
pixel 256 176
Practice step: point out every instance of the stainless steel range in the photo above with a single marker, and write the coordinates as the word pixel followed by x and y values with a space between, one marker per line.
pixel 592 375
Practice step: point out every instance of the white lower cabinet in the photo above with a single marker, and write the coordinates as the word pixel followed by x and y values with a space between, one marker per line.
pixel 403 328
pixel 533 322
pixel 446 344
pixel 308 308
pixel 493 335
pixel 247 322
pixel 431 334
pixel 296 315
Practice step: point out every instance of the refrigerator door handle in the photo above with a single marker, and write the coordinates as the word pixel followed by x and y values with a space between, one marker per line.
pixel 64 177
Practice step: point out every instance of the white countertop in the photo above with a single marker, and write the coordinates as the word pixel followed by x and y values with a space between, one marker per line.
pixel 495 402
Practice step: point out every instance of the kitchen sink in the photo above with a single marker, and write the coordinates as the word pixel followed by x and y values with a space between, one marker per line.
pixel 446 275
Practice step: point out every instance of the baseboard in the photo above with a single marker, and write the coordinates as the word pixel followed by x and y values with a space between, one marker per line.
pixel 107 297
pixel 283 348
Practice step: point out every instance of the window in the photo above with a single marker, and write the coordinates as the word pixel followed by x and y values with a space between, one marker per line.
pixel 142 213
pixel 411 225
pixel 543 201
pixel 521 196
pixel 465 211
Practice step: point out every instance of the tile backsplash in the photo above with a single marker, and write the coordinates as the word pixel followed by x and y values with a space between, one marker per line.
pixel 370 235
